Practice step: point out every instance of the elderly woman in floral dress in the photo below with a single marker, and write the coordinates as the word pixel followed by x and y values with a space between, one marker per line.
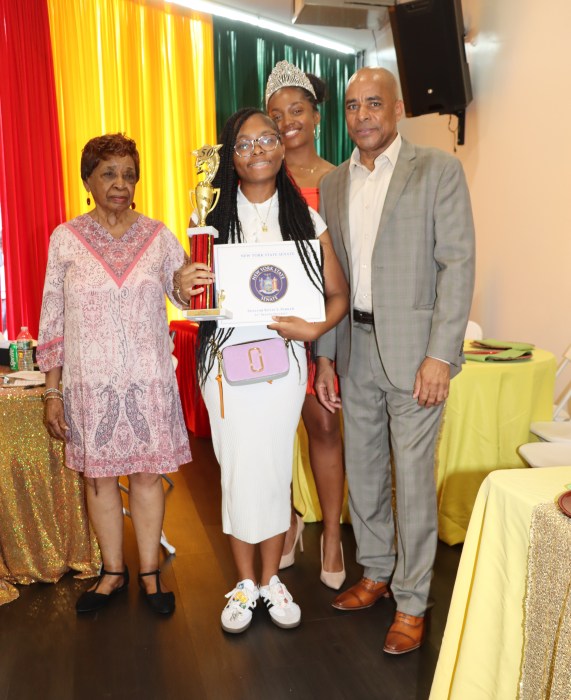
pixel 104 336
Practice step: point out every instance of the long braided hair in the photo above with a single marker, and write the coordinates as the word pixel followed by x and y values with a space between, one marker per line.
pixel 294 218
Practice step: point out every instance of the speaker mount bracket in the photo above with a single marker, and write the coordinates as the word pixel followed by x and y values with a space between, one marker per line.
pixel 461 114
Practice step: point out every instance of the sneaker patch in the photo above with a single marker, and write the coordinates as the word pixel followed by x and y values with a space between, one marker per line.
pixel 241 598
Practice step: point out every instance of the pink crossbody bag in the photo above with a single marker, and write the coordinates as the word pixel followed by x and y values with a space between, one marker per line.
pixel 251 363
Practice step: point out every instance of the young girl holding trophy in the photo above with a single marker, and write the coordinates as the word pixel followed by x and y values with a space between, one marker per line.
pixel 254 424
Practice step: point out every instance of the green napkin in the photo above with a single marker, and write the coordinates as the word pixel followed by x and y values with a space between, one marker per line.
pixel 507 345
pixel 503 356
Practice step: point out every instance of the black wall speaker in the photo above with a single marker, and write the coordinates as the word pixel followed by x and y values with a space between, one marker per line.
pixel 429 42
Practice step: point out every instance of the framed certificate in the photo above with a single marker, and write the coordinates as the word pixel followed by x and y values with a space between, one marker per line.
pixel 257 281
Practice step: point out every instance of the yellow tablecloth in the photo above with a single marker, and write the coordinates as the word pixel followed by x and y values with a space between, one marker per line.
pixel 487 416
pixel 481 653
pixel 44 529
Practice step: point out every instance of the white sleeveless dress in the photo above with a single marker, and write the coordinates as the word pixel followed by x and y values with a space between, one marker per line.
pixel 254 441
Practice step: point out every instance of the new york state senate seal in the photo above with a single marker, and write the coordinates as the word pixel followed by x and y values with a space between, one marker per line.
pixel 268 283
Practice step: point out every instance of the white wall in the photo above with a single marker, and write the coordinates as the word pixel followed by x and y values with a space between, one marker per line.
pixel 517 159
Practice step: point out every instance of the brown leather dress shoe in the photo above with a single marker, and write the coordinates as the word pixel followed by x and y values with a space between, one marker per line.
pixel 405 634
pixel 362 595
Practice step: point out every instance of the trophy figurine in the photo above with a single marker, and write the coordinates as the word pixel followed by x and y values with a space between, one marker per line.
pixel 204 198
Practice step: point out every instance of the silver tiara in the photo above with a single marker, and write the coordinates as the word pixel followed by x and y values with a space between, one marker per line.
pixel 284 75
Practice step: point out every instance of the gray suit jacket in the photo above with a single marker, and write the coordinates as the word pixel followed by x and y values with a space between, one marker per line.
pixel 422 264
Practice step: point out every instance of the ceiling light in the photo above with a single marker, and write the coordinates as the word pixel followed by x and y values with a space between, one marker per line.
pixel 213 8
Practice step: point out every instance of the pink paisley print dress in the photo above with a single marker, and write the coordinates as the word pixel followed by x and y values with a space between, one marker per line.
pixel 104 322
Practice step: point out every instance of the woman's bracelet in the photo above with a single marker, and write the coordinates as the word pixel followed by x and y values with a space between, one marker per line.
pixel 176 295
pixel 52 394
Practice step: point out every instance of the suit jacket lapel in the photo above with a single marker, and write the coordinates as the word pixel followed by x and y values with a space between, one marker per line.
pixel 403 170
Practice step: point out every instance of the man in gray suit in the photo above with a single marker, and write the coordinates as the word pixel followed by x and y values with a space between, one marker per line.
pixel 401 223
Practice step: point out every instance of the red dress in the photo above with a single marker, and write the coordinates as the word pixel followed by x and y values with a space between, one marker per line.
pixel 311 196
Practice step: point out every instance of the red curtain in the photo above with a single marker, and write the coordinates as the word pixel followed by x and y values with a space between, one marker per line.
pixel 31 187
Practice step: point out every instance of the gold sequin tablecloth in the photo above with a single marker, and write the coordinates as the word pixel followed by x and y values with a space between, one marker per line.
pixel 496 595
pixel 546 668
pixel 44 529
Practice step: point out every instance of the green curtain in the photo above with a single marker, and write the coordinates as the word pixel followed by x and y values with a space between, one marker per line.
pixel 245 56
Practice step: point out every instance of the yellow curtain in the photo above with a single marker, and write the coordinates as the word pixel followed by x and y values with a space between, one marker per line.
pixel 143 68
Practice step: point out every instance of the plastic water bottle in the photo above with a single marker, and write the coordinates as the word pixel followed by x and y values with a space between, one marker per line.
pixel 24 341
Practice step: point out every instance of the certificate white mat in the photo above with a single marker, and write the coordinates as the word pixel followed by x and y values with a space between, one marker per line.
pixel 261 280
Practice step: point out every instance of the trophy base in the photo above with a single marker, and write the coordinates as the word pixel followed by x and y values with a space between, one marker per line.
pixel 207 314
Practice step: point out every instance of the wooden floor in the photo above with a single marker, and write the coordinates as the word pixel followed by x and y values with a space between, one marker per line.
pixel 47 652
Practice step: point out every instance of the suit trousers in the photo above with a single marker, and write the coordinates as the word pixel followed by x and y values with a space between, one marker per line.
pixel 381 420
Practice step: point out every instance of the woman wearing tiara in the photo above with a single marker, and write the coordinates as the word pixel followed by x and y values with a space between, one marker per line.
pixel 254 425
pixel 292 97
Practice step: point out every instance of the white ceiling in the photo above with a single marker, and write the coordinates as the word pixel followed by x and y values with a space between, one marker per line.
pixel 282 11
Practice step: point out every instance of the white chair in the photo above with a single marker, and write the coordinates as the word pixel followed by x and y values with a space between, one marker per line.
pixel 559 412
pixel 565 360
pixel 473 331
pixel 552 430
pixel 546 454
pixel 558 429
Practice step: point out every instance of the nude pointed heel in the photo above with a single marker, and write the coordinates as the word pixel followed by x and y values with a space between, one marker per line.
pixel 289 558
pixel 332 579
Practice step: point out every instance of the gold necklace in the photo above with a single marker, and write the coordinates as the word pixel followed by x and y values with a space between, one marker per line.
pixel 262 221
pixel 308 170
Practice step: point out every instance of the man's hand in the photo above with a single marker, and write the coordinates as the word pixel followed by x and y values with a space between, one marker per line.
pixel 325 385
pixel 432 382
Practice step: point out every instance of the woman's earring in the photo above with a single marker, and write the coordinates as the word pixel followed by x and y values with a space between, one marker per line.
pixel 133 205
pixel 317 131
pixel 88 201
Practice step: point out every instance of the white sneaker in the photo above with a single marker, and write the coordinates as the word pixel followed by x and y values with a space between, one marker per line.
pixel 283 611
pixel 237 614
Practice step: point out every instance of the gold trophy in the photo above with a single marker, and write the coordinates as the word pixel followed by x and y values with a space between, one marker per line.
pixel 204 199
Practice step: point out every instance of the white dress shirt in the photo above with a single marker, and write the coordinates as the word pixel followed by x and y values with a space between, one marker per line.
pixel 367 194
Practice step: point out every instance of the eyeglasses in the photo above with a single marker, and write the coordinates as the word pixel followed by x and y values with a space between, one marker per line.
pixel 245 147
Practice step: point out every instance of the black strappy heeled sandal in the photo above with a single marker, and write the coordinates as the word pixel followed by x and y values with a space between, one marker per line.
pixel 91 601
pixel 161 602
